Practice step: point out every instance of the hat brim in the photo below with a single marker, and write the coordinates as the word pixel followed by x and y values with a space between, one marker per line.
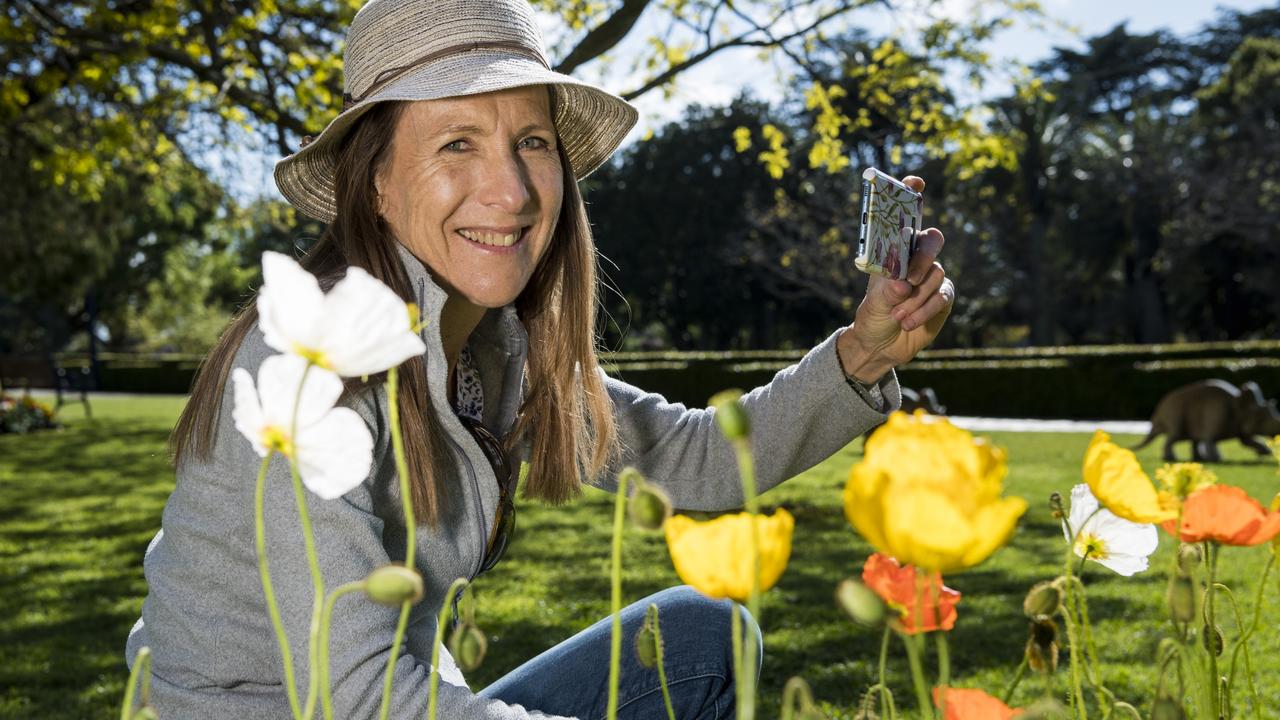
pixel 591 122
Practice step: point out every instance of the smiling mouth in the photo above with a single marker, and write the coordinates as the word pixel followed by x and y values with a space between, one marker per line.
pixel 495 239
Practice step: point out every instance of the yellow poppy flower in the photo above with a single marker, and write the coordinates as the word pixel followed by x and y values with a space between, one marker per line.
pixel 714 556
pixel 928 493
pixel 1117 480
pixel 1181 479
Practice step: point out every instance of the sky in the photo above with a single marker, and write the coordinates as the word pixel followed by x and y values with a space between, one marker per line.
pixel 721 78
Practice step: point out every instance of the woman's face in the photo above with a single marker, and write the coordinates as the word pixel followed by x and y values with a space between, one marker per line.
pixel 473 187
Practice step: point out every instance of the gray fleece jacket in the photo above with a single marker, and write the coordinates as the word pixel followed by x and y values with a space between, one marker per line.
pixel 205 618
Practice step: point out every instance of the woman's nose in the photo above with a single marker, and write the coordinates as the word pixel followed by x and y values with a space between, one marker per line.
pixel 506 184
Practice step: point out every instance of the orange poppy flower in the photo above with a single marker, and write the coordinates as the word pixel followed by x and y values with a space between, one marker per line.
pixel 1225 514
pixel 969 704
pixel 896 584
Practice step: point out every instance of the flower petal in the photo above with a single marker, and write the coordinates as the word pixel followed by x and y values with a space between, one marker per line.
pixel 1116 478
pixel 368 326
pixel 1083 507
pixel 926 529
pixel 971 704
pixel 335 454
pixel 864 495
pixel 710 555
pixel 290 304
pixel 921 607
pixel 997 521
pixel 248 412
pixel 1226 514
pixel 279 380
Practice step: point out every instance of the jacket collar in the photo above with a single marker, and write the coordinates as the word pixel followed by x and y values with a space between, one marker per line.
pixel 499 346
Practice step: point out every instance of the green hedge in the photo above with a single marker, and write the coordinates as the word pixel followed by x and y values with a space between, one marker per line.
pixel 1104 382
pixel 1113 386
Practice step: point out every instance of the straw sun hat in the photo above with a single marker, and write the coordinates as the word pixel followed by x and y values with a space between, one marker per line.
pixel 432 49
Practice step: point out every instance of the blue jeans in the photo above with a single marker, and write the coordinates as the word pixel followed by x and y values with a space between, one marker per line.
pixel 572 678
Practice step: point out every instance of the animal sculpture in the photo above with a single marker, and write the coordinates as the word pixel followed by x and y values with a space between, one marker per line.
pixel 1210 411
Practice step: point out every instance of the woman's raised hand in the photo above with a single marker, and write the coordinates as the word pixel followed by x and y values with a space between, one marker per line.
pixel 899 318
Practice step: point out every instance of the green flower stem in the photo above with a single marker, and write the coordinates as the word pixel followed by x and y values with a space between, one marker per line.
pixel 747 679
pixel 940 637
pixel 795 689
pixel 1211 561
pixel 410 530
pixel 141 669
pixel 1073 635
pixel 615 578
pixel 1248 662
pixel 260 536
pixel 308 539
pixel 401 625
pixel 886 696
pixel 917 675
pixel 317 604
pixel 1243 643
pixel 326 616
pixel 402 467
pixel 662 671
pixel 446 612
pixel 1106 699
pixel 1017 678
pixel 1133 711
pixel 944 659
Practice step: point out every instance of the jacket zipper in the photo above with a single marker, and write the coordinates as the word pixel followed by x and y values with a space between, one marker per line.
pixel 471 471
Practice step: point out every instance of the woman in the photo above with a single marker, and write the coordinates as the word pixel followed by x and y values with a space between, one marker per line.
pixel 451 176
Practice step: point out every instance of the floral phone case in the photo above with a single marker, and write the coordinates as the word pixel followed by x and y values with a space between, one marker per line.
pixel 891 219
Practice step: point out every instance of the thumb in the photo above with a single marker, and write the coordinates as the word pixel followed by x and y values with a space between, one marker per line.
pixel 888 292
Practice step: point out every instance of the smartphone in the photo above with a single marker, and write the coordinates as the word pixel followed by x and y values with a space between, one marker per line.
pixel 891 217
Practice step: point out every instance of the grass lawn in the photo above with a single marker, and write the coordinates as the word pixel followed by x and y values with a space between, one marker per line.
pixel 80 505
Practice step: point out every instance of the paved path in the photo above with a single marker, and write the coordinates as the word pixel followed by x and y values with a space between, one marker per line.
pixel 1137 427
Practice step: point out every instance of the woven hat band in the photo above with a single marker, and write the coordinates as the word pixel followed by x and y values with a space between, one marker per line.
pixel 390 74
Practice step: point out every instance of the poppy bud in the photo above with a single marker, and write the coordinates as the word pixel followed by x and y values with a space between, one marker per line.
pixel 1182 598
pixel 1211 638
pixel 1166 708
pixel 468 645
pixel 1042 646
pixel 730 414
pixel 1055 505
pixel 393 584
pixel 1189 557
pixel 649 506
pixel 860 602
pixel 1044 598
pixel 647 646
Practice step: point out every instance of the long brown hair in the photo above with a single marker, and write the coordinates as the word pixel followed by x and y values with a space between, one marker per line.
pixel 566 414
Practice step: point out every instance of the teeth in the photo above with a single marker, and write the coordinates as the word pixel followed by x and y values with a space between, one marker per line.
pixel 491 238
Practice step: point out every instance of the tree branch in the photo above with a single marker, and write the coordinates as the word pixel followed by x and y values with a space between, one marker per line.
pixel 740 41
pixel 604 36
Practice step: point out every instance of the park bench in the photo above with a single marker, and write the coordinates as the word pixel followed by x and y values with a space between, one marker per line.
pixel 43 371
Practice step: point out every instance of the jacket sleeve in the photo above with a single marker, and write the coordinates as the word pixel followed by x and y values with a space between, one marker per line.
pixel 349 543
pixel 804 415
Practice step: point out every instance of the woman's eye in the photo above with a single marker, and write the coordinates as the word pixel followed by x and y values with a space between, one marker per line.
pixel 536 143
pixel 455 146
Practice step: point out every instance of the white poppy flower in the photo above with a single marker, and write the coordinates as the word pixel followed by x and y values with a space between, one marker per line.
pixel 332 448
pixel 359 328
pixel 1107 539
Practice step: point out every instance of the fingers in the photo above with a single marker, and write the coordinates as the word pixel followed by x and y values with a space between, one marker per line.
pixel 928 245
pixel 914 182
pixel 905 310
pixel 936 317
